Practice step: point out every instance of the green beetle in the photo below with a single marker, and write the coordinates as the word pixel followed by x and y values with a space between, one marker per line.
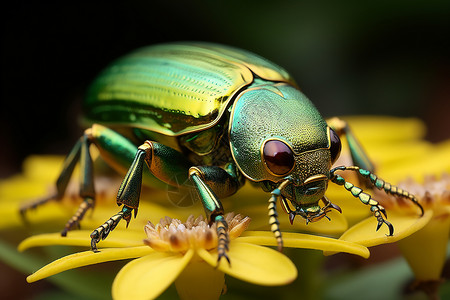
pixel 214 116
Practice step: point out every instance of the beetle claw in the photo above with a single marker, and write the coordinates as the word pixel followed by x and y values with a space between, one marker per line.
pixel 103 231
pixel 225 255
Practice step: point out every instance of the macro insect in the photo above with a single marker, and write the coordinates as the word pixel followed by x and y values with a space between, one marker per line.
pixel 214 116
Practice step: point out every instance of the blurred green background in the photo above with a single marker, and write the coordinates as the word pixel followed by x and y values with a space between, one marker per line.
pixel 348 57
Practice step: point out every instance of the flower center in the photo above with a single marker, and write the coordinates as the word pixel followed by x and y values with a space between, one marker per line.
pixel 174 236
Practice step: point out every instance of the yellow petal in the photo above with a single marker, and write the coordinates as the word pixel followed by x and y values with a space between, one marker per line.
pixel 52 215
pixel 305 241
pixel 18 188
pixel 426 249
pixel 117 238
pixel 87 258
pixel 148 276
pixel 254 264
pixel 436 161
pixel 391 153
pixel 43 167
pixel 368 128
pixel 200 281
pixel 365 233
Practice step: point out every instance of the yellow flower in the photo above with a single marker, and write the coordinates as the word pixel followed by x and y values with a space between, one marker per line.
pixel 391 144
pixel 426 249
pixel 397 154
pixel 422 239
pixel 185 253
pixel 38 172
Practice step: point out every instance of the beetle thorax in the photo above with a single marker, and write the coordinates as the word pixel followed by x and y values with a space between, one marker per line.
pixel 278 116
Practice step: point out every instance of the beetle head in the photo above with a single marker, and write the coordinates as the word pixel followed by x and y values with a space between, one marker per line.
pixel 277 135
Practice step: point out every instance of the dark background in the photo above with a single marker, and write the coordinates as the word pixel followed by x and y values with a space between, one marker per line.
pixel 378 57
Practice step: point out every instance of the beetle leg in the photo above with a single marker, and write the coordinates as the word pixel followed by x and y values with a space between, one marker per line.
pixel 165 163
pixel 80 152
pixel 377 210
pixel 212 182
pixel 87 189
pixel 357 152
pixel 102 232
pixel 61 183
pixel 383 185
pixel 273 215
pixel 128 195
pixel 273 218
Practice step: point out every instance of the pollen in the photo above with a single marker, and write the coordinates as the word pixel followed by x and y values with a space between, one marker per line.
pixel 171 235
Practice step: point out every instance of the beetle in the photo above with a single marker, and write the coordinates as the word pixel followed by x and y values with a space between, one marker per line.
pixel 215 116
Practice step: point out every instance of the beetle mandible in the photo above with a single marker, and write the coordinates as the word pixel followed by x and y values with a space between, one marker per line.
pixel 217 116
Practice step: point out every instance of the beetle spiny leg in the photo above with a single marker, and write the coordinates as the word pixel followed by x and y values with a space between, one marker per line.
pixel 386 186
pixel 394 190
pixel 223 239
pixel 273 219
pixel 378 183
pixel 103 231
pixel 377 210
pixel 78 216
pixel 273 215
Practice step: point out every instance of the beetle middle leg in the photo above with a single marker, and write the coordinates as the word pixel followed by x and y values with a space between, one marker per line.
pixel 165 163
pixel 171 167
pixel 211 183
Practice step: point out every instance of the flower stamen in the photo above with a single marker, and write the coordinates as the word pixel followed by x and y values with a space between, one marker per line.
pixel 171 235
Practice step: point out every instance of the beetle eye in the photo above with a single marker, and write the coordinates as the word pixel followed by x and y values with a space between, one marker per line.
pixel 335 147
pixel 278 156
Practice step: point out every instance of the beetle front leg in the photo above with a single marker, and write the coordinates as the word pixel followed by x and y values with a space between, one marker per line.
pixel 383 185
pixel 273 215
pixel 377 210
pixel 211 182
pixel 165 163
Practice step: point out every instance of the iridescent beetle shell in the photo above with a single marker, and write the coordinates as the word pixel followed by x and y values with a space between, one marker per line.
pixel 184 91
pixel 174 89
pixel 278 112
